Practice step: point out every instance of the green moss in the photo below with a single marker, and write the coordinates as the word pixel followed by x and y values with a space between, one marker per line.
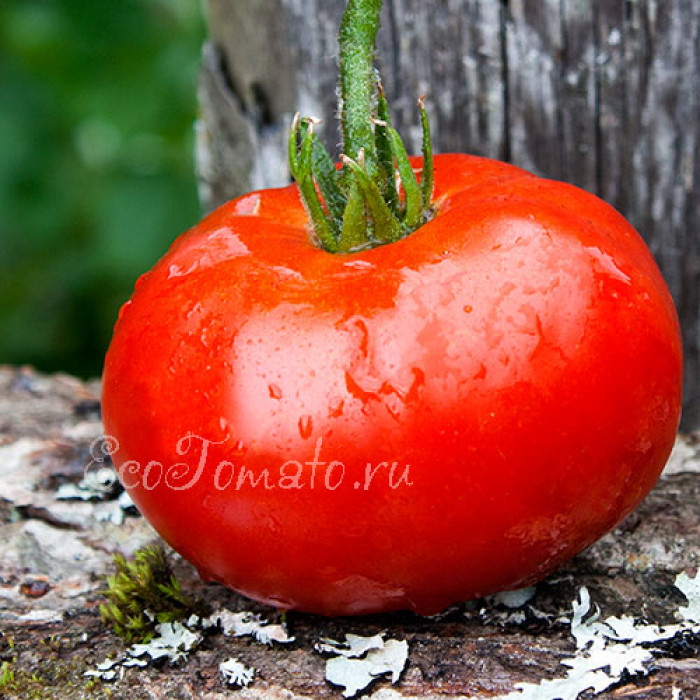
pixel 144 592
pixel 52 679
pixel 7 675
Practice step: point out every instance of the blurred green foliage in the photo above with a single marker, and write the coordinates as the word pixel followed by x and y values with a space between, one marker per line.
pixel 97 104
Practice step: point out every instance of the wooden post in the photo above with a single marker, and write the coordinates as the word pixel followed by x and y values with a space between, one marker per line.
pixel 604 94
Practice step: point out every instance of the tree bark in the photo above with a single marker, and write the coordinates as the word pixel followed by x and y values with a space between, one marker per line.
pixel 604 94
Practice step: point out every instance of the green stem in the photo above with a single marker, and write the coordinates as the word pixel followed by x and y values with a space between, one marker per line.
pixel 361 207
pixel 357 41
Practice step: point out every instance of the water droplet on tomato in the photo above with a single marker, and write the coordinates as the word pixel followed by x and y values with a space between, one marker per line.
pixel 275 391
pixel 194 310
pixel 335 409
pixel 204 339
pixel 305 427
pixel 123 309
pixel 481 372
pixel 239 448
pixel 413 392
pixel 274 524
pixel 355 390
pixel 248 205
pixel 141 280
pixel 604 264
pixel 359 264
pixel 180 270
pixel 279 602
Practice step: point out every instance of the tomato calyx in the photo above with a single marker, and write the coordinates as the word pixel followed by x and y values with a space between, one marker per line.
pixel 376 197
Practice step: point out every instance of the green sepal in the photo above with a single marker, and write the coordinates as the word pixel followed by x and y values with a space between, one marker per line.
pixel 354 234
pixel 385 154
pixel 386 228
pixel 427 182
pixel 302 172
pixel 413 213
pixel 327 179
pixel 293 147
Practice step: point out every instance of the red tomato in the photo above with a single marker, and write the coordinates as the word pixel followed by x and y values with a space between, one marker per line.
pixel 403 427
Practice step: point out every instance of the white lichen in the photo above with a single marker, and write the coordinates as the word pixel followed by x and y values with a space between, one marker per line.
pixel 236 673
pixel 607 648
pixel 247 624
pixel 358 661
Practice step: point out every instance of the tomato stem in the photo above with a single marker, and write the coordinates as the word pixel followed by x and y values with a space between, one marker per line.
pixel 357 41
pixel 362 206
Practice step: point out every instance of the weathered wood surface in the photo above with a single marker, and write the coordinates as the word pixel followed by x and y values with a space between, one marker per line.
pixel 604 94
pixel 476 650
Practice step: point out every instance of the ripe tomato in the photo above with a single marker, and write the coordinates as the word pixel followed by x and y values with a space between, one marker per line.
pixel 407 426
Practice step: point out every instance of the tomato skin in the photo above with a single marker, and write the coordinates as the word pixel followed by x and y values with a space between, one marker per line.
pixel 516 361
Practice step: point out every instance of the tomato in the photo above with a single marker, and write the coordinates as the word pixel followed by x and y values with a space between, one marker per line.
pixel 402 427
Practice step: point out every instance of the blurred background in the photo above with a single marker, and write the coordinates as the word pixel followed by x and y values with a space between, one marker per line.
pixel 97 104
